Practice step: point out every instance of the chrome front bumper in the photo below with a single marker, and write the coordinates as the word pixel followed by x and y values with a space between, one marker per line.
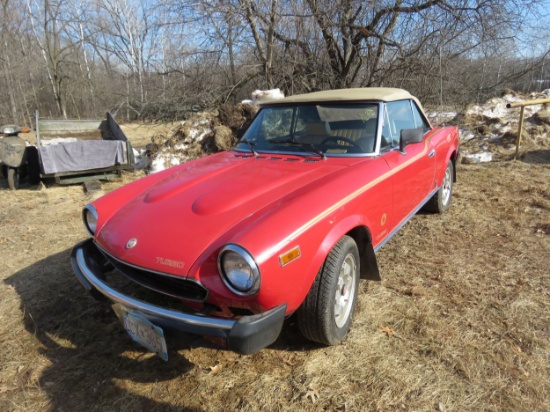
pixel 245 335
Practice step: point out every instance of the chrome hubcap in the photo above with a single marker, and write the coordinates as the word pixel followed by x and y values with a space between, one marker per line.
pixel 345 290
pixel 446 187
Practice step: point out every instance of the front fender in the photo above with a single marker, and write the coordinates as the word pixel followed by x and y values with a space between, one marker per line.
pixel 356 227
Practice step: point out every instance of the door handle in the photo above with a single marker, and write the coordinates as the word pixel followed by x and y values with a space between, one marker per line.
pixel 432 153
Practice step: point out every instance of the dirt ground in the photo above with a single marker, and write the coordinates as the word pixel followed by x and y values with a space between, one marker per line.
pixel 459 322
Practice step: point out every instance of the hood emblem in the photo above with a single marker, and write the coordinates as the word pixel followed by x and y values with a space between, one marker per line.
pixel 131 243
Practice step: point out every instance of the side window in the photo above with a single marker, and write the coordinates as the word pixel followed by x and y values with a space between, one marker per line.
pixel 400 116
pixel 386 131
pixel 418 119
pixel 276 123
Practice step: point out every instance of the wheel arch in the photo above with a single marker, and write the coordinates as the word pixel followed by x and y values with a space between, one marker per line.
pixel 451 156
pixel 368 263
pixel 454 159
pixel 354 227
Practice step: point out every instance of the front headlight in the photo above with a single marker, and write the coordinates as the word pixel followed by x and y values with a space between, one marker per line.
pixel 238 270
pixel 89 214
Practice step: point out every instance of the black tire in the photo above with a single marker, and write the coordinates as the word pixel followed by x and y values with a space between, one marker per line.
pixel 326 313
pixel 441 201
pixel 33 165
pixel 13 178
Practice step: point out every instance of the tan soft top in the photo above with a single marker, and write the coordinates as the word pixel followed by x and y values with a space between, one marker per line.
pixel 384 94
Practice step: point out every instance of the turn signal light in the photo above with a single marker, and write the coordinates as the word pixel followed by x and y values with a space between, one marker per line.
pixel 290 256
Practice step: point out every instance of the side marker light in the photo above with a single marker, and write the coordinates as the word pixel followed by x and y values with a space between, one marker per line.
pixel 289 256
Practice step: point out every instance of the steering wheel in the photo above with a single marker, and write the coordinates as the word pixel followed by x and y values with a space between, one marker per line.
pixel 343 139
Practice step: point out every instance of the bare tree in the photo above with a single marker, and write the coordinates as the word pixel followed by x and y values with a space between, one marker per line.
pixel 80 23
pixel 161 58
pixel 368 43
pixel 6 38
pixel 48 25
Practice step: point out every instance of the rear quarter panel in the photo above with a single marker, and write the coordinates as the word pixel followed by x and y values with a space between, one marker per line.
pixel 445 143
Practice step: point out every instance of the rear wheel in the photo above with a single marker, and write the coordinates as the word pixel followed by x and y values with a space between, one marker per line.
pixel 441 201
pixel 326 313
pixel 13 178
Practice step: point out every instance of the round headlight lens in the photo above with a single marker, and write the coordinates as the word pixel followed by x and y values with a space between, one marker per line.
pixel 239 270
pixel 90 218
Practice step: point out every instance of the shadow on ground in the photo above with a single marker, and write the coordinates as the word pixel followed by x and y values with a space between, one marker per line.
pixel 541 157
pixel 84 342
pixel 89 349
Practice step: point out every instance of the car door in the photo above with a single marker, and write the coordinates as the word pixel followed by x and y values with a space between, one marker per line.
pixel 413 169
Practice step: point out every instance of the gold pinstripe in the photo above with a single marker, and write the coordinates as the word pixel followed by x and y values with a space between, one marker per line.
pixel 350 197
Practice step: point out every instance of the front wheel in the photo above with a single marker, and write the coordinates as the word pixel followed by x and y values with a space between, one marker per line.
pixel 13 178
pixel 325 315
pixel 441 201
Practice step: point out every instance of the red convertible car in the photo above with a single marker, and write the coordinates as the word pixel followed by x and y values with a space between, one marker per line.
pixel 229 245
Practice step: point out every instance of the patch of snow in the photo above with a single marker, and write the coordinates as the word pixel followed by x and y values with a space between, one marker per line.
pixel 492 109
pixel 181 146
pixel 259 96
pixel 158 164
pixel 198 134
pixel 165 160
pixel 481 157
pixel 264 95
pixel 447 115
pixel 466 135
pixel 204 133
pixel 200 122
pixel 142 161
pixel 502 129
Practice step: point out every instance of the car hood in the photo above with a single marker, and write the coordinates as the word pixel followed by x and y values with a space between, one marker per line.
pixel 170 224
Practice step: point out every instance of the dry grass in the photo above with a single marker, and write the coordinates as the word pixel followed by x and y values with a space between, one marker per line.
pixel 460 321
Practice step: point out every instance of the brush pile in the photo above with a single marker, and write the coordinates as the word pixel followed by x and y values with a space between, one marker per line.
pixel 203 134
pixel 489 130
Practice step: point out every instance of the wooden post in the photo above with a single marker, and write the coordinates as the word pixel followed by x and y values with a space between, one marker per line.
pixel 520 128
pixel 522 105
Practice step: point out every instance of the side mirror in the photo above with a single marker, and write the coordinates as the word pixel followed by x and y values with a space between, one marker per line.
pixel 409 136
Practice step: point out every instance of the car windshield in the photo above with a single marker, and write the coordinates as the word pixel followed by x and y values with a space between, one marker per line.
pixel 314 130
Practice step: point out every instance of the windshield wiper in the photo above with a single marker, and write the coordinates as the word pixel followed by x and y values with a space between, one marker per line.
pixel 252 146
pixel 293 142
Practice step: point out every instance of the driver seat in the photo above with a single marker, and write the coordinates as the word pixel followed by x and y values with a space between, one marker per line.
pixel 315 132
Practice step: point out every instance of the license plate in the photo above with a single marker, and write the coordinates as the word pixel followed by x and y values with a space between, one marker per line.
pixel 146 334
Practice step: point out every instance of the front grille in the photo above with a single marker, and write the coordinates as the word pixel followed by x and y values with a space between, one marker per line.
pixel 166 284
